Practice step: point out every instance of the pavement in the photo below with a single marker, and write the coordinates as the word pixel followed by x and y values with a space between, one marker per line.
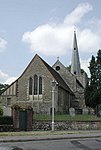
pixel 48 135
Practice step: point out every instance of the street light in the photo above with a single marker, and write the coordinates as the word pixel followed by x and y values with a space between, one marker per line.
pixel 53 98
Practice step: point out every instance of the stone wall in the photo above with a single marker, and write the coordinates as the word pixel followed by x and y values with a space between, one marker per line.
pixel 67 125
pixel 40 103
pixel 74 85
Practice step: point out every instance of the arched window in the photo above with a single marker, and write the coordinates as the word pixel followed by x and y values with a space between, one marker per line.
pixel 35 85
pixel 40 85
pixel 30 85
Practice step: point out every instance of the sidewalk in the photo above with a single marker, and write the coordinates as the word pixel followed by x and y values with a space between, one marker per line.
pixel 48 135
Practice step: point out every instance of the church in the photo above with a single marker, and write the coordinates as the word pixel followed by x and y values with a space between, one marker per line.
pixel 34 87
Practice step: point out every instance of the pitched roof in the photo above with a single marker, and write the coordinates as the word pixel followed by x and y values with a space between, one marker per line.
pixel 56 75
pixel 58 78
pixel 79 83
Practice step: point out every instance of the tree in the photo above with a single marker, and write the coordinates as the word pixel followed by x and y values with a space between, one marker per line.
pixel 89 95
pixel 98 76
pixel 93 89
pixel 69 69
pixel 3 87
pixel 98 71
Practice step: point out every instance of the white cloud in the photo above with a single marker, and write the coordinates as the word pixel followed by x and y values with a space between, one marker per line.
pixel 76 15
pixel 85 65
pixel 3 44
pixel 49 40
pixel 56 39
pixel 10 80
pixel 5 78
pixel 89 41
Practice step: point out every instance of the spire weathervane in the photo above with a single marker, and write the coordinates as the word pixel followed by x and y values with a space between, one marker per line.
pixel 74 29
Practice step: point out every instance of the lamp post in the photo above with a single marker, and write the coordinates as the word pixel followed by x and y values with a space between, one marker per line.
pixel 53 98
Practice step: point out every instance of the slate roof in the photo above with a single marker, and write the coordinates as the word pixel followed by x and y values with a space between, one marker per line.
pixel 79 83
pixel 58 78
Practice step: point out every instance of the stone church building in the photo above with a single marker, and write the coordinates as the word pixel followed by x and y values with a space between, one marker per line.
pixel 34 87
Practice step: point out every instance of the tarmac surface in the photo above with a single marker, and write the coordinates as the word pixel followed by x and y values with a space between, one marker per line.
pixel 48 135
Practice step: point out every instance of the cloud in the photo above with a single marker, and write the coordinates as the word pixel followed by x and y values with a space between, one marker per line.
pixel 75 16
pixel 56 39
pixel 3 44
pixel 89 41
pixel 85 65
pixel 10 80
pixel 5 78
pixel 49 40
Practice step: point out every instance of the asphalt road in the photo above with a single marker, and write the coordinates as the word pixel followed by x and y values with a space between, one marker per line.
pixel 64 144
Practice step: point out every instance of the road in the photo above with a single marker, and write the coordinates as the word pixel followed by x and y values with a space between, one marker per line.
pixel 64 144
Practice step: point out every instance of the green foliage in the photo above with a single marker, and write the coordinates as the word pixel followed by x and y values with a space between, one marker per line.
pixel 3 87
pixel 69 69
pixel 6 120
pixel 1 112
pixel 93 88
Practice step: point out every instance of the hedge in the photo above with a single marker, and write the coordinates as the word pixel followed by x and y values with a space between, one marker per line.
pixel 1 111
pixel 6 120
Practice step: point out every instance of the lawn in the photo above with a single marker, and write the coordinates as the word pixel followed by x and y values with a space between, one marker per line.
pixel 66 117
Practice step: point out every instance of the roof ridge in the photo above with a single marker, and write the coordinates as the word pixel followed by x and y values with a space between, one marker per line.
pixel 57 76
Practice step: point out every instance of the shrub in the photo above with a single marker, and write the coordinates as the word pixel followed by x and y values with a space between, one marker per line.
pixel 1 111
pixel 6 120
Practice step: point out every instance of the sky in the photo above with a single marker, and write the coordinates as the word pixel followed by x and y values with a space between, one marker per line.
pixel 46 28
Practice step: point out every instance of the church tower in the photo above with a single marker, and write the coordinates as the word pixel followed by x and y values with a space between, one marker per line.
pixel 75 63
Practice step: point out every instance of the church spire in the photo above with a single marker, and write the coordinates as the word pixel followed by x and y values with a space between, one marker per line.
pixel 75 64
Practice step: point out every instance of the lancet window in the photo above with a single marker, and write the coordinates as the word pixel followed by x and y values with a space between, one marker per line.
pixel 30 85
pixel 35 84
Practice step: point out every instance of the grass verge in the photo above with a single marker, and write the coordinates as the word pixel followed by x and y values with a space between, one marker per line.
pixel 66 117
